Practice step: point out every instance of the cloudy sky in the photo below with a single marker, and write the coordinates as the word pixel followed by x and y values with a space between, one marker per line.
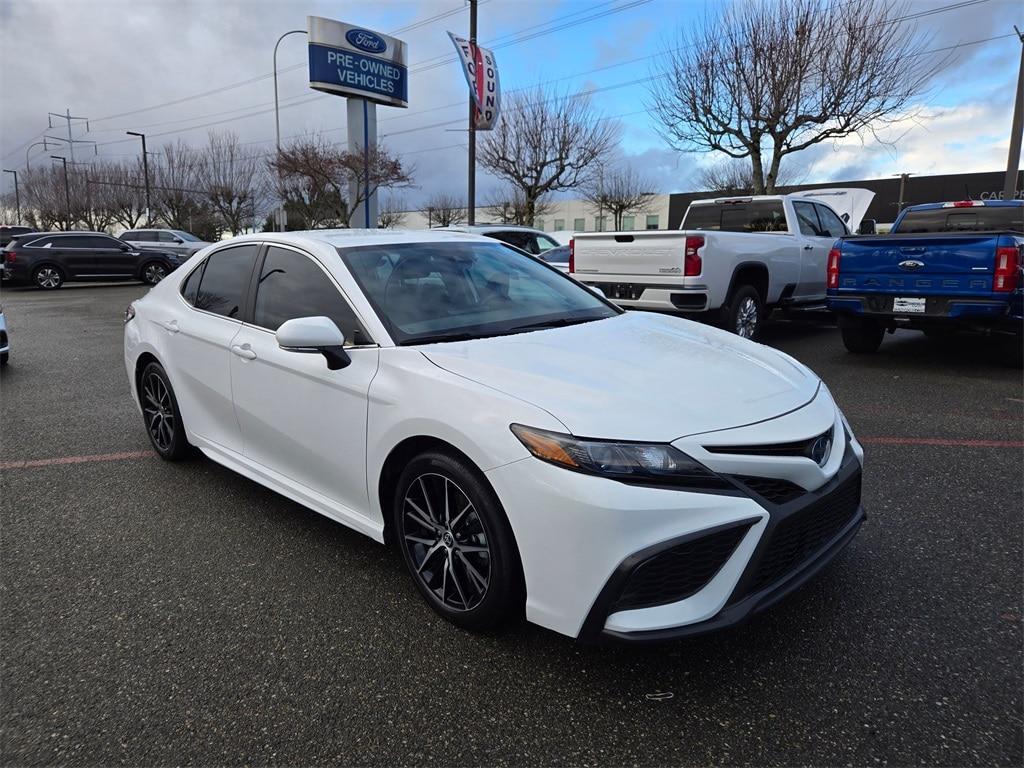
pixel 177 69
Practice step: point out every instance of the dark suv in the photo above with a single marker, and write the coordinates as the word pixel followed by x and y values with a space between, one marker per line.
pixel 49 259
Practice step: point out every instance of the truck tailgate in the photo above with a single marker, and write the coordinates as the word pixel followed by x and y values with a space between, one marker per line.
pixel 948 264
pixel 629 253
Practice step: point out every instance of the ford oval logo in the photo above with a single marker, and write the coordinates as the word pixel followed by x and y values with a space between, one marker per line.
pixel 365 40
pixel 911 264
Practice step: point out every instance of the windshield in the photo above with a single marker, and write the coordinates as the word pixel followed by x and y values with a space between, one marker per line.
pixel 429 292
pixel 979 218
pixel 187 236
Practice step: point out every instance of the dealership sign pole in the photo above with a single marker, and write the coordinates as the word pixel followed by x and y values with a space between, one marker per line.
pixel 368 68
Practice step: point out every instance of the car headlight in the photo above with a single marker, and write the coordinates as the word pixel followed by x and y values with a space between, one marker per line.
pixel 640 463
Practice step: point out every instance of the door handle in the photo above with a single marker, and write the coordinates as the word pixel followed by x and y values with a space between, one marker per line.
pixel 244 351
pixel 171 326
pixel 808 247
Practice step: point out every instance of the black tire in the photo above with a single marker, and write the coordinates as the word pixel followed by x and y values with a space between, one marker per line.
pixel 862 338
pixel 160 414
pixel 486 588
pixel 48 277
pixel 154 271
pixel 3 358
pixel 745 313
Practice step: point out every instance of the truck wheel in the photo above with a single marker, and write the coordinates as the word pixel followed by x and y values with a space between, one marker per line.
pixel 863 337
pixel 745 314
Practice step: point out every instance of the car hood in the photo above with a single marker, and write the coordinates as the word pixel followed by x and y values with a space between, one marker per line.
pixel 636 376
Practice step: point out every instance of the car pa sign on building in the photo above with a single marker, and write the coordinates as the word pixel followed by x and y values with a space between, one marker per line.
pixel 351 61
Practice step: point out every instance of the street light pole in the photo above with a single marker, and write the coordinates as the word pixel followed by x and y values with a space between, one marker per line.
pixel 145 172
pixel 277 117
pixel 17 197
pixel 471 185
pixel 67 189
pixel 29 149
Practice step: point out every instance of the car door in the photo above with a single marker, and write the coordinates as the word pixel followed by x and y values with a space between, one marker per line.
pixel 298 418
pixel 73 254
pixel 198 330
pixel 814 247
pixel 112 257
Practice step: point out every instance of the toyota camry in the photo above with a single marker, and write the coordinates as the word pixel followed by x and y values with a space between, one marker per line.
pixel 527 446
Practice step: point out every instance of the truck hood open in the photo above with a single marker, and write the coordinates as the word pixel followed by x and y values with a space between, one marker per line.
pixel 636 376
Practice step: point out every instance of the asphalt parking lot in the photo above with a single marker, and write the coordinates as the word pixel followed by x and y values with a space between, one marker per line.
pixel 156 613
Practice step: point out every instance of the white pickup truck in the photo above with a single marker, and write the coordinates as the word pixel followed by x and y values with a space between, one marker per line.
pixel 735 257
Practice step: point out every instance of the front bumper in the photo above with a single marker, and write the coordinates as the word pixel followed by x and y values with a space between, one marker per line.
pixel 581 537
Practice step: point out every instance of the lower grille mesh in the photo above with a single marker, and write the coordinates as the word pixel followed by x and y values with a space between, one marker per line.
pixel 802 534
pixel 679 572
pixel 775 490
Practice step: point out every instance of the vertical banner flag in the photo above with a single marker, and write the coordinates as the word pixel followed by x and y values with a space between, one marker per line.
pixel 481 72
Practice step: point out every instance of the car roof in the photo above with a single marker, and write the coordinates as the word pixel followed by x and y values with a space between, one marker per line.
pixel 352 238
pixel 483 228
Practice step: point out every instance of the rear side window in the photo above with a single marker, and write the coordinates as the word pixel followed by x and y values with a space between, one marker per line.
pixel 225 280
pixel 291 285
pixel 979 218
pixel 754 216
pixel 190 286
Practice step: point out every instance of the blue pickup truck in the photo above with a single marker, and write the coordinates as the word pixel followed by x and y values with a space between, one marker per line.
pixel 944 267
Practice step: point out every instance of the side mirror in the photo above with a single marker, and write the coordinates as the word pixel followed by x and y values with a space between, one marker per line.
pixel 312 335
pixel 177 240
pixel 867 227
pixel 124 247
pixel 597 290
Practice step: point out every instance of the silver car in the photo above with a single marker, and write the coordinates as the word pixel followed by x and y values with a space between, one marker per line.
pixel 175 240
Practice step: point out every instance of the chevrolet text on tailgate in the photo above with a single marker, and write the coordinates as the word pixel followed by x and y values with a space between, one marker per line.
pixel 944 267
pixel 733 258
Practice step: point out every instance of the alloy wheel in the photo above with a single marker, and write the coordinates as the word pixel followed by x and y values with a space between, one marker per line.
pixel 746 318
pixel 48 277
pixel 446 541
pixel 159 411
pixel 154 273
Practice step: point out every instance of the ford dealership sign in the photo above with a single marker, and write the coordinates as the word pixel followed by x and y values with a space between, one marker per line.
pixel 352 61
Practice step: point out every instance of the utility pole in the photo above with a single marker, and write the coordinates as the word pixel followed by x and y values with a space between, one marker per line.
pixel 69 117
pixel 145 172
pixel 903 187
pixel 281 216
pixel 17 197
pixel 67 189
pixel 1013 158
pixel 471 186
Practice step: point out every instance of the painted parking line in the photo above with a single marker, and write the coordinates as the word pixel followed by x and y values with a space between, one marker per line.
pixel 942 442
pixel 27 463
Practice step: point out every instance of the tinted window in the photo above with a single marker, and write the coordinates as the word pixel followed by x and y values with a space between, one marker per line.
pixel 559 255
pixel 130 235
pixel 166 237
pixel 145 237
pixel 545 243
pixel 975 219
pixel 92 242
pixel 807 219
pixel 524 240
pixel 759 216
pixel 831 224
pixel 190 286
pixel 436 291
pixel 36 241
pixel 225 280
pixel 291 286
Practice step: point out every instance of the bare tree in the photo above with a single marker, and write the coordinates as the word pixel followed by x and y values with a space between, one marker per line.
pixel 509 206
pixel 393 213
pixel 444 210
pixel 44 200
pixel 618 192
pixel 123 192
pixel 231 179
pixel 544 143
pixel 763 80
pixel 176 182
pixel 734 177
pixel 315 171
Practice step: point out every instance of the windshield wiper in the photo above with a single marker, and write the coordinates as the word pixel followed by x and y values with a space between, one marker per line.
pixel 439 337
pixel 559 322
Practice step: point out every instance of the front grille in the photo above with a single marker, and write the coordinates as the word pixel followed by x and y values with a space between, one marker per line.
pixel 799 448
pixel 679 572
pixel 803 533
pixel 774 489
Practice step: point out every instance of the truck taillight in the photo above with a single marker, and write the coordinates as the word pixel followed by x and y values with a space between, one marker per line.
pixel 833 268
pixel 1007 269
pixel 10 257
pixel 692 263
pixel 572 255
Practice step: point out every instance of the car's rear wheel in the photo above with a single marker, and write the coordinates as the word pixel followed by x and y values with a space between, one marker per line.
pixel 745 314
pixel 161 415
pixel 153 272
pixel 862 337
pixel 48 277
pixel 456 542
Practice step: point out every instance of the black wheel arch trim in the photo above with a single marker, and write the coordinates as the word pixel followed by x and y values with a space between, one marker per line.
pixel 734 284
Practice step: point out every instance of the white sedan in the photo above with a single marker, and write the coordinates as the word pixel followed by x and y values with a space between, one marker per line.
pixel 525 444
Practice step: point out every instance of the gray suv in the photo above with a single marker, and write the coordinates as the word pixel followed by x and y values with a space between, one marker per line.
pixel 174 240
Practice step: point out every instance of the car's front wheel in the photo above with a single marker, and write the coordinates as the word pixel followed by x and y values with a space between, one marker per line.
pixel 457 542
pixel 161 415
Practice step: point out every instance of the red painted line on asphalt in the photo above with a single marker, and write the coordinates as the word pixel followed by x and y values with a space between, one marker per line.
pixel 942 441
pixel 26 463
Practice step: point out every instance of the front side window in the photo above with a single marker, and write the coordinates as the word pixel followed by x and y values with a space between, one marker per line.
pixel 523 240
pixel 166 237
pixel 225 280
pixel 291 285
pixel 831 223
pixel 427 292
pixel 807 219
pixel 544 243
pixel 188 237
